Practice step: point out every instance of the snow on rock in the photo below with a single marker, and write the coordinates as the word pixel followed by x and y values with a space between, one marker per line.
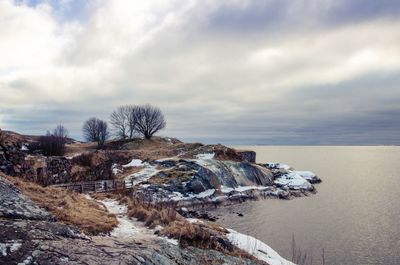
pixel 278 166
pixel 9 247
pixel 134 163
pixel 24 148
pixel 177 196
pixel 242 188
pixel 146 173
pixel 308 175
pixel 256 248
pixel 205 156
pixel 294 181
pixel 204 194
pixel 115 168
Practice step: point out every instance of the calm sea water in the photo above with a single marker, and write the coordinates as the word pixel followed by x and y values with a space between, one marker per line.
pixel 355 216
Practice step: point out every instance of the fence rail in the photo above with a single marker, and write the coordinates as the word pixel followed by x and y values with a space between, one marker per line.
pixel 97 186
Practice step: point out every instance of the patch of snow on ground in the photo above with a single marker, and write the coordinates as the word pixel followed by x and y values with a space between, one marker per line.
pixel 147 172
pixel 204 194
pixel 24 148
pixel 128 227
pixel 205 156
pixel 134 163
pixel 115 169
pixel 256 248
pixel 293 181
pixel 9 246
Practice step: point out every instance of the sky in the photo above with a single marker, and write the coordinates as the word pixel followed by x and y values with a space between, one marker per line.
pixel 294 72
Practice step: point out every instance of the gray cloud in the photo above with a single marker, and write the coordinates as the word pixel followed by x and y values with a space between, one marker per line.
pixel 271 72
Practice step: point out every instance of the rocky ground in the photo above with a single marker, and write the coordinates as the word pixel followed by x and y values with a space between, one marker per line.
pixel 29 235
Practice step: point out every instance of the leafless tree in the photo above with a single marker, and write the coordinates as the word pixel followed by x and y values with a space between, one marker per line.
pixel 60 131
pixel 119 120
pixel 102 132
pixel 96 130
pixel 53 144
pixel 148 120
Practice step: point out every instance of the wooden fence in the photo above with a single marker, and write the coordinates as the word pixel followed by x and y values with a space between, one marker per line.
pixel 97 186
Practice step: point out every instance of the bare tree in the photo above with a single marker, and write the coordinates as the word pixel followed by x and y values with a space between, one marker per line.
pixel 148 120
pixel 90 130
pixel 123 119
pixel 119 120
pixel 53 144
pixel 96 130
pixel 60 131
pixel 102 132
pixel 132 119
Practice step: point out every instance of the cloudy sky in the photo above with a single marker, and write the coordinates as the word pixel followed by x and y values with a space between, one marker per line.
pixel 230 71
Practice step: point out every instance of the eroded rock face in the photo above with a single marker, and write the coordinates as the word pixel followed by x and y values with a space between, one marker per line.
pixel 15 205
pixel 200 175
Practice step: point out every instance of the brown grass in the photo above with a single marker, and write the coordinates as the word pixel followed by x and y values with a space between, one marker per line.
pixel 170 175
pixel 203 235
pixel 78 148
pixel 69 207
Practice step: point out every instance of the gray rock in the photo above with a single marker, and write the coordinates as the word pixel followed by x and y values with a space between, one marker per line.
pixel 53 243
pixel 15 205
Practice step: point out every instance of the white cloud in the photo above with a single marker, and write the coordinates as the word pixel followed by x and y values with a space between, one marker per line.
pixel 169 53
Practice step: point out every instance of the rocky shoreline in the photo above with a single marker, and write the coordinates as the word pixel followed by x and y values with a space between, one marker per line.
pixel 163 172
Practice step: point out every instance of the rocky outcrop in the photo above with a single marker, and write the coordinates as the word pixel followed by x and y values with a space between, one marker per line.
pixel 28 235
pixel 12 157
pixel 35 242
pixel 15 205
pixel 195 176
pixel 249 156
pixel 97 165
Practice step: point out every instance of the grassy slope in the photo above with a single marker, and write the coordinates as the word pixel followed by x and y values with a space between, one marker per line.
pixel 68 207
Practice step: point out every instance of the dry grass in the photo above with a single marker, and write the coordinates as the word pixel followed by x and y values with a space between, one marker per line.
pixel 203 235
pixel 170 175
pixel 69 207
pixel 78 148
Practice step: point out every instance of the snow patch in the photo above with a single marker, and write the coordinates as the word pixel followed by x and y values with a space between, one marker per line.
pixel 308 175
pixel 24 148
pixel 134 163
pixel 278 166
pixel 177 196
pixel 146 173
pixel 9 247
pixel 205 156
pixel 293 181
pixel 256 248
pixel 115 168
pixel 204 194
pixel 242 188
